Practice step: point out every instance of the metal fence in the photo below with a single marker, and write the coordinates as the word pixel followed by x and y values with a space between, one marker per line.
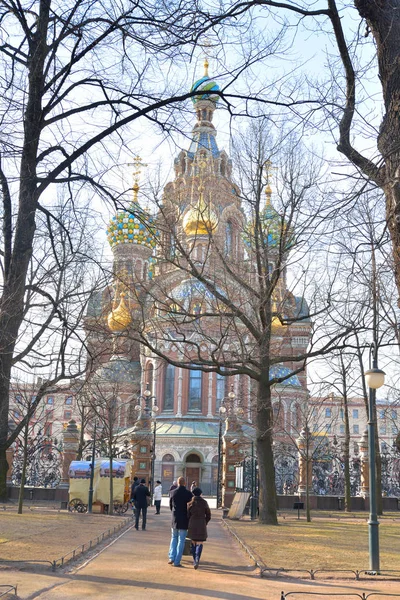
pixel 9 590
pixel 316 595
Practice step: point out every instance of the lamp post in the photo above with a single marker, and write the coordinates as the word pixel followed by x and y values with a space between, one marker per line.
pixel 375 378
pixel 147 403
pixel 90 502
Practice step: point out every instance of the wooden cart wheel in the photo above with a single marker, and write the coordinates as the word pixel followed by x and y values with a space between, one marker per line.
pixel 77 505
pixel 120 508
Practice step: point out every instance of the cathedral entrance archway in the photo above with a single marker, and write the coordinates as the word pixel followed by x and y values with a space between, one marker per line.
pixel 193 469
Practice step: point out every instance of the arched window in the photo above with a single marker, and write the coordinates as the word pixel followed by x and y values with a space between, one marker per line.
pixel 193 458
pixel 169 387
pixel 221 380
pixel 228 237
pixel 172 242
pixel 195 378
pixel 149 377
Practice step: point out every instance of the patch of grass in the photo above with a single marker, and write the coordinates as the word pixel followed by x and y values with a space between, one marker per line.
pixel 49 535
pixel 325 543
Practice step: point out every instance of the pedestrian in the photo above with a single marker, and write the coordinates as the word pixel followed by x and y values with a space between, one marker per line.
pixel 199 515
pixel 134 485
pixel 157 496
pixel 194 485
pixel 140 495
pixel 173 487
pixel 178 502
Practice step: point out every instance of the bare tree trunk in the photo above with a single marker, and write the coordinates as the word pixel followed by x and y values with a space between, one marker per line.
pixel 308 459
pixel 23 474
pixel 111 505
pixel 347 487
pixel 264 427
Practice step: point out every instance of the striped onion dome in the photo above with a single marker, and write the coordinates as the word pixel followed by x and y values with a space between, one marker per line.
pixel 132 226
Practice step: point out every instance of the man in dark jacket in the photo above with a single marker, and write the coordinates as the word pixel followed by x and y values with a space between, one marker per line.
pixel 134 486
pixel 178 501
pixel 140 495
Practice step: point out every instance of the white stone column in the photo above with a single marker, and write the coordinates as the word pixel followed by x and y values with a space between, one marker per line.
pixel 179 395
pixel 210 384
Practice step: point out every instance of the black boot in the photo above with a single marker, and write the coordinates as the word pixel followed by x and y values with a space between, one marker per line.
pixel 193 552
pixel 199 550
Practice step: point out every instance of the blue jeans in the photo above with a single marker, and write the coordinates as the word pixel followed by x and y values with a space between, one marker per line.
pixel 177 545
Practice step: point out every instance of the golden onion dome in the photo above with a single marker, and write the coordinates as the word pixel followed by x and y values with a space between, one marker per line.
pixel 200 220
pixel 119 318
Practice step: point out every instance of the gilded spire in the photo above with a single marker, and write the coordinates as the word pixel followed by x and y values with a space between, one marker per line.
pixel 137 164
pixel 206 67
pixel 267 173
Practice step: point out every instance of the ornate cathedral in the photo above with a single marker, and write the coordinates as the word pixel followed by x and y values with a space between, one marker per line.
pixel 154 338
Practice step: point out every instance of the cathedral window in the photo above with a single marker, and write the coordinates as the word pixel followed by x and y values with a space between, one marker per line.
pixel 145 267
pixel 172 244
pixel 195 380
pixel 169 387
pixel 197 308
pixel 228 237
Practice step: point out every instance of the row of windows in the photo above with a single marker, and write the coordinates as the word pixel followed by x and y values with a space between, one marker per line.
pixel 50 399
pixel 383 414
pixel 195 389
pixel 383 430
pixel 49 415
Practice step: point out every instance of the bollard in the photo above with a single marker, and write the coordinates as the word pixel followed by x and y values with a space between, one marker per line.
pixel 253 507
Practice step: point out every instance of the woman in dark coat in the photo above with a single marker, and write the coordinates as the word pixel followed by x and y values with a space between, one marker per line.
pixel 199 515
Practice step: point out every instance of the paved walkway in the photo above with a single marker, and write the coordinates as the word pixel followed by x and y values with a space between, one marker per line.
pixel 135 566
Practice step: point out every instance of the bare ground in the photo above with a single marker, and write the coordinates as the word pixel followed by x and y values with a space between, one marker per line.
pixel 42 534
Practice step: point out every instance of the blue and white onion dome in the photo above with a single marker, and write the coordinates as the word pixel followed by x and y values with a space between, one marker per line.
pixel 132 226
pixel 206 85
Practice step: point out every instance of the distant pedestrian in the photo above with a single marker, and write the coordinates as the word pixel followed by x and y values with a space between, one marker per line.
pixel 178 502
pixel 140 495
pixel 173 487
pixel 194 485
pixel 134 485
pixel 157 496
pixel 199 515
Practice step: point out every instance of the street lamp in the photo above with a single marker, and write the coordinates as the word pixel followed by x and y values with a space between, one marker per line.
pixel 147 403
pixel 375 378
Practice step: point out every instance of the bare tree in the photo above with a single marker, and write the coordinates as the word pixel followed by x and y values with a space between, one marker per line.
pixel 74 76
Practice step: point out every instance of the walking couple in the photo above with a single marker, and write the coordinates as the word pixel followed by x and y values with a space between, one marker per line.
pixel 190 515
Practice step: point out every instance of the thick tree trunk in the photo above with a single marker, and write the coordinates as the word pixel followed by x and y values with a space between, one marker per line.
pixel 23 474
pixel 12 300
pixel 384 22
pixel 264 426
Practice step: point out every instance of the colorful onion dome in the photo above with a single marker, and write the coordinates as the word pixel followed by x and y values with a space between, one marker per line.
pixel 206 85
pixel 200 220
pixel 133 226
pixel 119 318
